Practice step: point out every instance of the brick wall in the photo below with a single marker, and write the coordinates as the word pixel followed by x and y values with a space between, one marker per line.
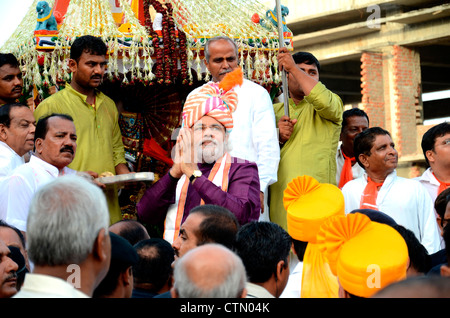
pixel 372 89
pixel 390 88
pixel 406 73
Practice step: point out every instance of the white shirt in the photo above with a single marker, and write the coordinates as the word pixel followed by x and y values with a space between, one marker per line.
pixel 357 170
pixel 9 160
pixel 431 184
pixel 254 136
pixel 293 287
pixel 406 201
pixel 45 286
pixel 23 183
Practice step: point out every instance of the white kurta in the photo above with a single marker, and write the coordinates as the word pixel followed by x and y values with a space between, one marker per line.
pixel 254 136
pixel 406 201
pixel 21 186
pixel 357 170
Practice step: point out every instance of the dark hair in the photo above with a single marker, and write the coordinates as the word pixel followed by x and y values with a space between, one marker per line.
pixel 87 44
pixel 123 256
pixel 261 245
pixel 376 216
pixel 307 58
pixel 440 204
pixel 42 125
pixel 5 113
pixel 446 237
pixel 9 59
pixel 419 258
pixel 219 226
pixel 299 248
pixel 353 112
pixel 133 231
pixel 15 229
pixel 154 266
pixel 429 137
pixel 364 141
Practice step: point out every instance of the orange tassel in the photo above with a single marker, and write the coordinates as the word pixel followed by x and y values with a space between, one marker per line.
pixel 232 79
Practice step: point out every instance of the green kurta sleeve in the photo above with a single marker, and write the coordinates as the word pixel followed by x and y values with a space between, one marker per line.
pixel 311 149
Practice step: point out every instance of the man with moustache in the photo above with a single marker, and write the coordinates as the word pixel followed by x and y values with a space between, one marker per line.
pixel 8 275
pixel 11 82
pixel 95 115
pixel 55 147
pixel 379 188
pixel 203 171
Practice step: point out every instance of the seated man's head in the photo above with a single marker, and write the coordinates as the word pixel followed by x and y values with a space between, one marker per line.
pixel 206 224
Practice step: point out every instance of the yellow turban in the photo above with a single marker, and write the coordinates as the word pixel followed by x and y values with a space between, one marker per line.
pixel 217 100
pixel 309 204
pixel 366 256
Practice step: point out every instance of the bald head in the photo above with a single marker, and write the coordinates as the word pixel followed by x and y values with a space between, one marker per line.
pixel 211 271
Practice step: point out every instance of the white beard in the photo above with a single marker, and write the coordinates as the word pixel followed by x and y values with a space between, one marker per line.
pixel 211 153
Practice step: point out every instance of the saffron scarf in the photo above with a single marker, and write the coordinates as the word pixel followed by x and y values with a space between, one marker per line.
pixel 442 185
pixel 369 196
pixel 346 174
pixel 218 175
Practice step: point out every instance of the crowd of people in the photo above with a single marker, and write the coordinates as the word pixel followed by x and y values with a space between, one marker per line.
pixel 258 203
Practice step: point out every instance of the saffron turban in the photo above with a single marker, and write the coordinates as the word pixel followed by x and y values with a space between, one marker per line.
pixel 217 100
pixel 309 204
pixel 366 256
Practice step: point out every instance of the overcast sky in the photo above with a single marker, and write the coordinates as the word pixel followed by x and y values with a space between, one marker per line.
pixel 13 11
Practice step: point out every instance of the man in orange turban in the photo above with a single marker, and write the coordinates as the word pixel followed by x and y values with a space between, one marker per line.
pixel 203 171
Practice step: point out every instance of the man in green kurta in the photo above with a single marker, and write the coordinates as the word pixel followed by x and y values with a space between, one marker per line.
pixel 310 134
pixel 100 147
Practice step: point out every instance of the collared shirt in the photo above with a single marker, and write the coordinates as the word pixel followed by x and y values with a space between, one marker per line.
pixel 254 136
pixel 257 291
pixel 429 181
pixel 45 286
pixel 23 183
pixel 406 201
pixel 357 170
